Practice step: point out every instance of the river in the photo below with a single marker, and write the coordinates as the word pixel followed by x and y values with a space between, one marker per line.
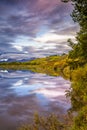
pixel 22 93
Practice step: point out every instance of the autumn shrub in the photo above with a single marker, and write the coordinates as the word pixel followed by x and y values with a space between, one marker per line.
pixel 80 121
pixel 44 123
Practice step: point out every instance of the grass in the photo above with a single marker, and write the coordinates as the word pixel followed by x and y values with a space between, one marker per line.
pixel 48 65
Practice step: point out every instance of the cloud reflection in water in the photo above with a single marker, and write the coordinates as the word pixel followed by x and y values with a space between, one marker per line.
pixel 22 93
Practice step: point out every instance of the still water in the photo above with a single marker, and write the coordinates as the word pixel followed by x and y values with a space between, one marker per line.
pixel 22 93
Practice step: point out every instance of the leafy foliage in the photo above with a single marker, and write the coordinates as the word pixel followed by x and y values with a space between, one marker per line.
pixel 44 123
pixel 79 15
pixel 80 122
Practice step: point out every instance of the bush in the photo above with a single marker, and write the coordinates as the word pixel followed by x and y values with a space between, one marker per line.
pixel 80 121
pixel 44 123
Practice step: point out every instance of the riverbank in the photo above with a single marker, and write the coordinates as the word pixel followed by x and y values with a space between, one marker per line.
pixel 74 70
pixel 52 65
pixel 40 65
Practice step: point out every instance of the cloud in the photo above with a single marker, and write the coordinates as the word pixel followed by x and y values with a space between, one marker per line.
pixel 53 37
pixel 19 48
pixel 35 23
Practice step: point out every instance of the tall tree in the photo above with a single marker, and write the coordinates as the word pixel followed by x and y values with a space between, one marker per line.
pixel 79 15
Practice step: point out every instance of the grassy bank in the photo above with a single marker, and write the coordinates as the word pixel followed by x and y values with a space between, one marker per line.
pixel 51 65
pixel 74 70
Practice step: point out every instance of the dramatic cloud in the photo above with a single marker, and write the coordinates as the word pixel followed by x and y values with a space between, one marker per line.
pixel 37 27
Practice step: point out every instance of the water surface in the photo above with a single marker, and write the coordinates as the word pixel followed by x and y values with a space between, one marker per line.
pixel 22 93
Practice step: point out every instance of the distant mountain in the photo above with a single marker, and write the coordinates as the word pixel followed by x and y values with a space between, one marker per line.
pixel 16 60
pixel 24 60
pixel 14 57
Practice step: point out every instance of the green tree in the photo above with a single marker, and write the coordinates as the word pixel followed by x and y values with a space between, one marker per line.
pixel 79 15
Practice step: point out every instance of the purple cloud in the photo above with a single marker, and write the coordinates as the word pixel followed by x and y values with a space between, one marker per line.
pixel 33 18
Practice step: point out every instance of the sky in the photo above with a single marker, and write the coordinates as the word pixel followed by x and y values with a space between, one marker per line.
pixel 35 28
